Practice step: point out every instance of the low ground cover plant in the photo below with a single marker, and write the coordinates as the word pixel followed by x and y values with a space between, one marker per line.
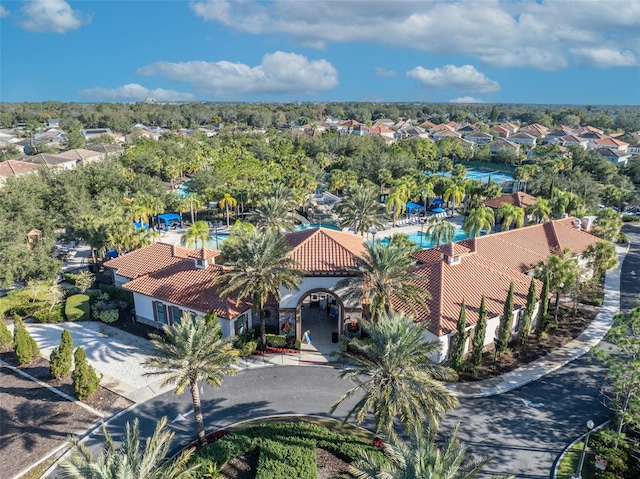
pixel 286 449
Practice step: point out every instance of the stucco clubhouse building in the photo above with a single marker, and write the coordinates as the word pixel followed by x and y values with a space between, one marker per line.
pixel 168 280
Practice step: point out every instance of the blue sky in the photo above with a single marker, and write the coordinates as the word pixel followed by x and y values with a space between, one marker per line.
pixel 563 51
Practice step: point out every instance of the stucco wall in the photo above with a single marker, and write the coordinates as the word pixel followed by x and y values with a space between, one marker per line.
pixel 290 298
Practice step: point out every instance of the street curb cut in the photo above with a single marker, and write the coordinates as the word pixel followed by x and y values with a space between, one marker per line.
pixel 554 472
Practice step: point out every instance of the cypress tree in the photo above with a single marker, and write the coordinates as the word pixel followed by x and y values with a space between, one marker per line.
pixel 479 336
pixel 24 346
pixel 5 337
pixel 62 356
pixel 528 313
pixel 504 329
pixel 85 379
pixel 541 323
pixel 459 340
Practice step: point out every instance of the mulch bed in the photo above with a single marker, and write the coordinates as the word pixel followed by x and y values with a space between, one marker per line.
pixel 557 335
pixel 245 467
pixel 104 401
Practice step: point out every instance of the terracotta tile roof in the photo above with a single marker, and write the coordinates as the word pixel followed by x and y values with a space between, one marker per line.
pixel 185 285
pixel 519 199
pixel 450 284
pixel 491 263
pixel 321 250
pixel 154 257
pixel 16 168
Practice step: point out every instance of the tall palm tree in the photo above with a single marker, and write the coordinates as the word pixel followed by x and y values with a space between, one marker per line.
pixel 525 173
pixel 562 270
pixel 382 276
pixel 479 219
pixel 541 210
pixel 397 379
pixel 511 214
pixel 191 351
pixel 455 193
pixel 440 231
pixel 131 460
pixel 361 210
pixel 228 202
pixel 421 458
pixel 199 231
pixel 397 201
pixel 274 211
pixel 260 266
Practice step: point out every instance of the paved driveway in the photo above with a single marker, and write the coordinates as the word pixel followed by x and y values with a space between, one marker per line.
pixel 116 354
pixel 629 282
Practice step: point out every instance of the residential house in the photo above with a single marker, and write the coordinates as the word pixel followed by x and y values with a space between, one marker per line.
pixel 445 133
pixel 519 198
pixel 91 133
pixel 568 140
pixel 467 129
pixel 634 149
pixel 523 139
pixel 83 155
pixel 479 137
pixel 535 129
pixel 411 132
pixel 609 143
pixel 50 161
pixel 617 157
pixel 383 122
pixel 13 168
pixel 501 144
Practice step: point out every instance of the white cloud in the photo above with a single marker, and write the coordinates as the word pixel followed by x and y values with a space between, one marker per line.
pixel 605 57
pixel 134 92
pixel 466 99
pixel 384 72
pixel 51 16
pixel 450 77
pixel 4 12
pixel 279 73
pixel 522 34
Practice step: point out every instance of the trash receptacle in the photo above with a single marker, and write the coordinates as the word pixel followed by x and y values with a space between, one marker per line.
pixel 334 337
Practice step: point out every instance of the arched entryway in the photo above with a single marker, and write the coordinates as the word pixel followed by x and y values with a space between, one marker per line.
pixel 321 313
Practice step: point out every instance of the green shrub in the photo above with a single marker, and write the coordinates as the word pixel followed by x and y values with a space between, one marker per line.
pixel 24 346
pixel 276 341
pixel 117 293
pixel 77 307
pixel 630 219
pixel 47 315
pixel 85 380
pixel 61 357
pixel 19 301
pixel 71 278
pixel 107 315
pixel 5 336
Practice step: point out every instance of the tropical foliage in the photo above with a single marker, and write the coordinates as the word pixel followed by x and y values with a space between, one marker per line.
pixel 395 376
pixel 191 351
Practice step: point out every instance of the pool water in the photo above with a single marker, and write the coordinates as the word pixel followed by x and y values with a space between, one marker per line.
pixel 422 240
pixel 216 240
pixel 483 176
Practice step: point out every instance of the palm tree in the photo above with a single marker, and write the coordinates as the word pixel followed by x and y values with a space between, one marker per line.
pixel 607 224
pixel 510 214
pixel 479 219
pixel 361 210
pixel 525 173
pixel 421 458
pixel 274 212
pixel 455 193
pixel 190 351
pixel 397 200
pixel 601 257
pixel 397 379
pixel 382 276
pixel 199 231
pixel 440 231
pixel 130 460
pixel 541 210
pixel 260 266
pixel 562 270
pixel 227 202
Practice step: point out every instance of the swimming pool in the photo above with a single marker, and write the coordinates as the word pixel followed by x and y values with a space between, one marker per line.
pixel 217 240
pixel 483 176
pixel 422 240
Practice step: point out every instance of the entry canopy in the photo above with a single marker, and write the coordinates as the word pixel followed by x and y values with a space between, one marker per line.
pixel 413 206
pixel 169 217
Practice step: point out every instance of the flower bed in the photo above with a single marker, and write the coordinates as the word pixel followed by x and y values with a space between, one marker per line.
pixel 269 350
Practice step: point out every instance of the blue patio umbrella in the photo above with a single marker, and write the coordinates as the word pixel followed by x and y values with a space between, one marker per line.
pixel 438 210
pixel 437 201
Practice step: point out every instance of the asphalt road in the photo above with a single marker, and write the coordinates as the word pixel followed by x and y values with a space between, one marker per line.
pixel 524 440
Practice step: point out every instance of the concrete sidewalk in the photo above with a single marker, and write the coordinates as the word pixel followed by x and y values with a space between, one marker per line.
pixel 592 335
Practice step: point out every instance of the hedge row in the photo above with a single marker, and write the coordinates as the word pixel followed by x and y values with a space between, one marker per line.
pixel 287 449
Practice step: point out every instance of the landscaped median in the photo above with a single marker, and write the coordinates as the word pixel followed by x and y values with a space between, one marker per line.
pixel 284 447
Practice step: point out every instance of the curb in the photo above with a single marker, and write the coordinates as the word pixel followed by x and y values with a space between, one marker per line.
pixel 554 472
